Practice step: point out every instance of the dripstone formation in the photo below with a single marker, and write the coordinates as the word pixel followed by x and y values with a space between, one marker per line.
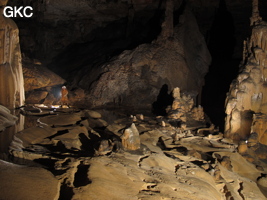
pixel 246 103
pixel 11 77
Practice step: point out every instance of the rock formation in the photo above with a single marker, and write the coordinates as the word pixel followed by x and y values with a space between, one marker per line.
pixel 27 182
pixel 6 119
pixel 93 162
pixel 247 95
pixel 130 138
pixel 183 109
pixel 11 77
pixel 178 58
pixel 38 77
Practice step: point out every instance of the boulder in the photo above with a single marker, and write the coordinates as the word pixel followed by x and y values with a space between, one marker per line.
pixel 37 76
pixel 92 114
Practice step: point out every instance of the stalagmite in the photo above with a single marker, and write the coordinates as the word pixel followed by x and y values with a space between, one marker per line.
pixel 255 19
pixel 11 77
pixel 247 95
pixel 167 25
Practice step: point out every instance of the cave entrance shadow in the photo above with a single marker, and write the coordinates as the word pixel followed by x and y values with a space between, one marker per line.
pixel 163 100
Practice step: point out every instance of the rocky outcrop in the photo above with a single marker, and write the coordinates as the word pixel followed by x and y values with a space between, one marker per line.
pixel 11 77
pixel 247 95
pixel 37 76
pixel 178 59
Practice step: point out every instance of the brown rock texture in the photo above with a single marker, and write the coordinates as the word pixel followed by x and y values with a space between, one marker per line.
pixel 37 76
pixel 183 109
pixel 130 138
pixel 247 95
pixel 27 183
pixel 6 118
pixel 11 77
pixel 180 60
pixel 90 162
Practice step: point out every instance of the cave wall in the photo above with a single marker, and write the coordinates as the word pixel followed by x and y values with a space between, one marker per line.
pixel 177 58
pixel 75 38
pixel 11 77
pixel 62 23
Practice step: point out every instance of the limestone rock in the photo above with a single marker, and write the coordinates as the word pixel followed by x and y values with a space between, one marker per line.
pixel 182 109
pixel 61 120
pixel 71 139
pixel 247 95
pixel 97 123
pixel 36 97
pixel 93 114
pixel 259 126
pixel 150 66
pixel 263 182
pixel 130 138
pixel 25 183
pixel 6 118
pixel 37 76
pixel 11 77
pixel 104 147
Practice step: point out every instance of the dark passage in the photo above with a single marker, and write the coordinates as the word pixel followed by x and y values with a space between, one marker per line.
pixel 163 100
pixel 224 68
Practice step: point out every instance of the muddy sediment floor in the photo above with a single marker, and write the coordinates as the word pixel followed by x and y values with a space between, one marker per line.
pixel 75 154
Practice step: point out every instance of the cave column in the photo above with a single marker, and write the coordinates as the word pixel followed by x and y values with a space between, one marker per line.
pixel 11 75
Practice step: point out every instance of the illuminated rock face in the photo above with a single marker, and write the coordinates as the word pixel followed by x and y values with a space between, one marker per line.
pixel 11 78
pixel 248 93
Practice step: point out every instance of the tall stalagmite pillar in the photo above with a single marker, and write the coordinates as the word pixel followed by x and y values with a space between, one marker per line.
pixel 246 102
pixel 167 25
pixel 11 75
pixel 255 18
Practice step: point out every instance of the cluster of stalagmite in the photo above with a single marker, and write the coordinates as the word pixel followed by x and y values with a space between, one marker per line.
pixel 246 102
pixel 11 77
pixel 183 108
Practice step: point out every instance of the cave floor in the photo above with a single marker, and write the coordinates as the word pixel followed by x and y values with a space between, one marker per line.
pixel 69 153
